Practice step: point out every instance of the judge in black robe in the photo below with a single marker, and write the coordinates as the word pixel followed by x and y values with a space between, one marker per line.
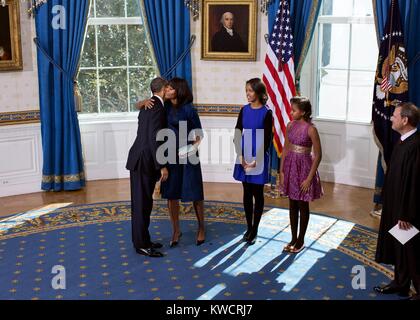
pixel 401 203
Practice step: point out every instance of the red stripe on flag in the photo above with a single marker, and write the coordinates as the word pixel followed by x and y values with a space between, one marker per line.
pixel 280 87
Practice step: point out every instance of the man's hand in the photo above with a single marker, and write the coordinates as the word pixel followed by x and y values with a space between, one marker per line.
pixel 164 174
pixel 145 104
pixel 404 225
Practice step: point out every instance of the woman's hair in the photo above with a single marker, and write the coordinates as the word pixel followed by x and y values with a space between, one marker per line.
pixel 183 91
pixel 259 88
pixel 304 105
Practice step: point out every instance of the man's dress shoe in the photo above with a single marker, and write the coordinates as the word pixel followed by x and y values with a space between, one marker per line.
pixel 388 289
pixel 149 252
pixel 156 245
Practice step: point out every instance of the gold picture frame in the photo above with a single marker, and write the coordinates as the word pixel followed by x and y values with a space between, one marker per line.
pixel 229 30
pixel 10 41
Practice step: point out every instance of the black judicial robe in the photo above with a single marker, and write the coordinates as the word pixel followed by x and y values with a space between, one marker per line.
pixel 223 42
pixel 401 199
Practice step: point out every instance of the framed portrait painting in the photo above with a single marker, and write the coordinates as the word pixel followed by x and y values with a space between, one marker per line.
pixel 10 43
pixel 229 30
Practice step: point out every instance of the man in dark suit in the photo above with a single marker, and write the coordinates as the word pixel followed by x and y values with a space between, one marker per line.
pixel 145 170
pixel 227 40
pixel 401 205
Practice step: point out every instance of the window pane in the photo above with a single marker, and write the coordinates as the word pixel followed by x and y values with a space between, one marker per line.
pixel 360 96
pixel 341 8
pixel 139 84
pixel 107 8
pixel 89 49
pixel 138 48
pixel 113 90
pixel 362 8
pixel 364 47
pixel 112 47
pixel 335 46
pixel 133 8
pixel 88 90
pixel 332 94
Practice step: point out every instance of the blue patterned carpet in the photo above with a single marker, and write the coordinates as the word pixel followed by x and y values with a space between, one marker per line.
pixel 93 244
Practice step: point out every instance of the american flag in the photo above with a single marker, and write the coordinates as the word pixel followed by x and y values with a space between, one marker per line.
pixel 385 84
pixel 279 73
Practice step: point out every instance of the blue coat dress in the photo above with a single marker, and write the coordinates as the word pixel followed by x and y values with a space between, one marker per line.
pixel 185 181
pixel 249 143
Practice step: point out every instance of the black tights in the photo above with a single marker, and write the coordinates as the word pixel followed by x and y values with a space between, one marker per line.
pixel 296 207
pixel 253 213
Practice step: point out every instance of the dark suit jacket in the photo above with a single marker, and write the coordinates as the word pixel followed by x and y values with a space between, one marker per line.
pixel 142 154
pixel 222 41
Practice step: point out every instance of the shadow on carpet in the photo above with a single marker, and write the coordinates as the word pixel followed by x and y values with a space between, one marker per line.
pixel 91 245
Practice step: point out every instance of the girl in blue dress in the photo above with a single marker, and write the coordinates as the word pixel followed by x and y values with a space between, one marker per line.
pixel 253 135
pixel 185 181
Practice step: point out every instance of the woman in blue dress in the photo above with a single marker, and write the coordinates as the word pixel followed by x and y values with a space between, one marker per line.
pixel 185 181
pixel 253 135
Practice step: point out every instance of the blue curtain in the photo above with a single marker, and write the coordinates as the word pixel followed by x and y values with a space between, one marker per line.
pixel 409 14
pixel 169 27
pixel 58 58
pixel 304 15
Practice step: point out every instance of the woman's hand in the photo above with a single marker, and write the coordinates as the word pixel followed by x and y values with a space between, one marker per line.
pixel 281 178
pixel 145 104
pixel 304 187
pixel 164 174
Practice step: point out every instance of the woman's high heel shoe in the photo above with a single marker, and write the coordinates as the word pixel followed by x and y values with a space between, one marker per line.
pixel 175 242
pixel 199 242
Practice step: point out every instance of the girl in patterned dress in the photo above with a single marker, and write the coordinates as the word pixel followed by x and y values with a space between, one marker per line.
pixel 299 178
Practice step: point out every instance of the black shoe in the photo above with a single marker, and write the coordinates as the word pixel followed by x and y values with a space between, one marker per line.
pixel 416 297
pixel 246 235
pixel 156 245
pixel 251 238
pixel 149 252
pixel 200 242
pixel 389 289
pixel 175 243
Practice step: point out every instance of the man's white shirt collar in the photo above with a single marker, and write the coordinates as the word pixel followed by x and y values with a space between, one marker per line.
pixel 230 31
pixel 161 100
pixel 408 134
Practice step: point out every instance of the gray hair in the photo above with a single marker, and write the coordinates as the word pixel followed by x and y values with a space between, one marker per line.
pixel 411 112
pixel 223 16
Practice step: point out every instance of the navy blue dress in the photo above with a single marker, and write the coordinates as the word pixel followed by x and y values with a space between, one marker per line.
pixel 250 143
pixel 185 181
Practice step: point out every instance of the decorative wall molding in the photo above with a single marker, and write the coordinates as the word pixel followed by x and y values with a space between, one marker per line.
pixel 19 117
pixel 31 116
pixel 230 110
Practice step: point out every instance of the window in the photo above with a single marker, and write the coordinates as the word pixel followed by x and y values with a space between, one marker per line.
pixel 346 60
pixel 116 64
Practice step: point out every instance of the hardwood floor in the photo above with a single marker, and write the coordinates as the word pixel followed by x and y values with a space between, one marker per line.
pixel 341 201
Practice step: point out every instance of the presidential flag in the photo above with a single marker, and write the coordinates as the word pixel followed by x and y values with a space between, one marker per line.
pixel 391 82
pixel 279 73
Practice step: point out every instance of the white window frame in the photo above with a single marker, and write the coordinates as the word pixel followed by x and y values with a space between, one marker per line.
pixel 315 62
pixel 125 21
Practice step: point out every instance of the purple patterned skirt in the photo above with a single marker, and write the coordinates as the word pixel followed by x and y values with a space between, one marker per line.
pixel 296 169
